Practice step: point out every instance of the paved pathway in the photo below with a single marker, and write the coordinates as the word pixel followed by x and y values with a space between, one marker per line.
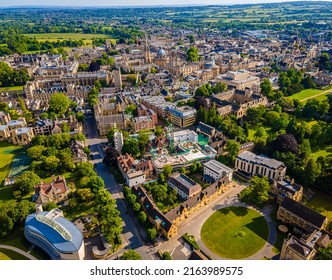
pixel 17 250
pixel 319 94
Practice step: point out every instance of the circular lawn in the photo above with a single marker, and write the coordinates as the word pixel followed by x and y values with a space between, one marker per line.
pixel 235 232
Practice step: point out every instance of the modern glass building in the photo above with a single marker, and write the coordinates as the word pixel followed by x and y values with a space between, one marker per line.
pixel 55 235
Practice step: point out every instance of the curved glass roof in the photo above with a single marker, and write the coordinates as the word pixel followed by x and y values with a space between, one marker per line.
pixel 56 226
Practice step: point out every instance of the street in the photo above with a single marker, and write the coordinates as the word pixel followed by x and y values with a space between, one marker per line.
pixel 133 235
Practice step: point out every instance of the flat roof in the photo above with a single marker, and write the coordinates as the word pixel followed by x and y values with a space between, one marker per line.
pixel 217 166
pixel 260 159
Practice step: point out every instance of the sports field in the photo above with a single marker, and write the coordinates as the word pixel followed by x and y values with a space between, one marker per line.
pixel 7 154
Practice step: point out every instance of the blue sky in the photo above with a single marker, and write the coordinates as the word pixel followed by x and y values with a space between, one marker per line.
pixel 127 2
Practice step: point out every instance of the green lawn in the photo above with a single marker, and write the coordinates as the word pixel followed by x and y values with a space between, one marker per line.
pixel 13 88
pixel 252 132
pixel 321 152
pixel 64 36
pixel 235 232
pixel 305 94
pixel 7 153
pixel 322 203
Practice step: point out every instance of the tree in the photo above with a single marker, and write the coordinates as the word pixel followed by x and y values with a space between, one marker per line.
pixel 167 170
pixel 131 198
pixel 131 255
pixel 84 169
pixel 131 109
pixel 192 54
pixel 232 149
pixel 166 256
pixel 307 82
pixel 305 149
pixel 142 217
pixel 80 117
pixel 159 130
pixel 26 182
pixel 96 183
pixel 51 163
pixel 257 192
pixel 131 147
pixel 36 152
pixel 285 143
pixel 270 117
pixel 159 193
pixel 324 253
pixel 312 171
pixel 161 178
pixel 219 87
pixel 59 103
pixel 324 61
pixel 110 135
pixel 136 206
pixel 152 233
pixel 6 224
pixel 260 135
pixel 85 195
pixel 266 87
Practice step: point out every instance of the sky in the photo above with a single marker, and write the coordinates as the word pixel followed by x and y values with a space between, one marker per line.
pixel 4 3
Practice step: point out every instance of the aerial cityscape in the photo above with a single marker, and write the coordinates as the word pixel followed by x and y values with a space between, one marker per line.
pixel 166 132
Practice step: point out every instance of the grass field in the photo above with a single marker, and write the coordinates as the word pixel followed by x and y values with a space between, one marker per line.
pixel 322 203
pixel 235 232
pixel 252 132
pixel 305 94
pixel 64 36
pixel 7 153
pixel 14 88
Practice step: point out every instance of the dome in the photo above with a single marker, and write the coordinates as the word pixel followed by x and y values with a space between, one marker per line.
pixel 161 53
pixel 209 64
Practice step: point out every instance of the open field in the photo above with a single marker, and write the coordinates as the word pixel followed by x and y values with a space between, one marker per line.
pixel 305 94
pixel 7 153
pixel 64 36
pixel 14 88
pixel 235 232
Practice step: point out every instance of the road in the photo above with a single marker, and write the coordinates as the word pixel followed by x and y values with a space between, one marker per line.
pixel 133 236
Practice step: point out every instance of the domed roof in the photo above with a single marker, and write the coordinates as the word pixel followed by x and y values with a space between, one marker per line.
pixel 210 64
pixel 161 53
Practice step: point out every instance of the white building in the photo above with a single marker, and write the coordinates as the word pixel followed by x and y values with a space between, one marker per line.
pixel 118 140
pixel 135 178
pixel 183 136
pixel 217 170
pixel 251 164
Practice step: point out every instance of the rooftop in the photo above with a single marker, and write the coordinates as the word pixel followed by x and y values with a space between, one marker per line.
pixel 260 159
pixel 217 166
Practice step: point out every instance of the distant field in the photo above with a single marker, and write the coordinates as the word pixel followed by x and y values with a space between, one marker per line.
pixel 14 88
pixel 64 36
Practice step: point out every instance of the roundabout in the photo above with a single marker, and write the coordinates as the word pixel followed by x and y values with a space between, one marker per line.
pixel 235 232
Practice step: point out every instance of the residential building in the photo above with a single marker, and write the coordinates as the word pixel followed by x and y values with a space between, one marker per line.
pixel 296 214
pixel 55 235
pixel 287 187
pixel 143 122
pixel 77 148
pixel 19 123
pixel 205 129
pixel 118 140
pixel 184 186
pixel 167 223
pixel 251 164
pixel 22 136
pixel 182 116
pixel 305 246
pixel 4 118
pixel 214 170
pixel 44 127
pixel 55 191
pixel 135 178
pixel 4 133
